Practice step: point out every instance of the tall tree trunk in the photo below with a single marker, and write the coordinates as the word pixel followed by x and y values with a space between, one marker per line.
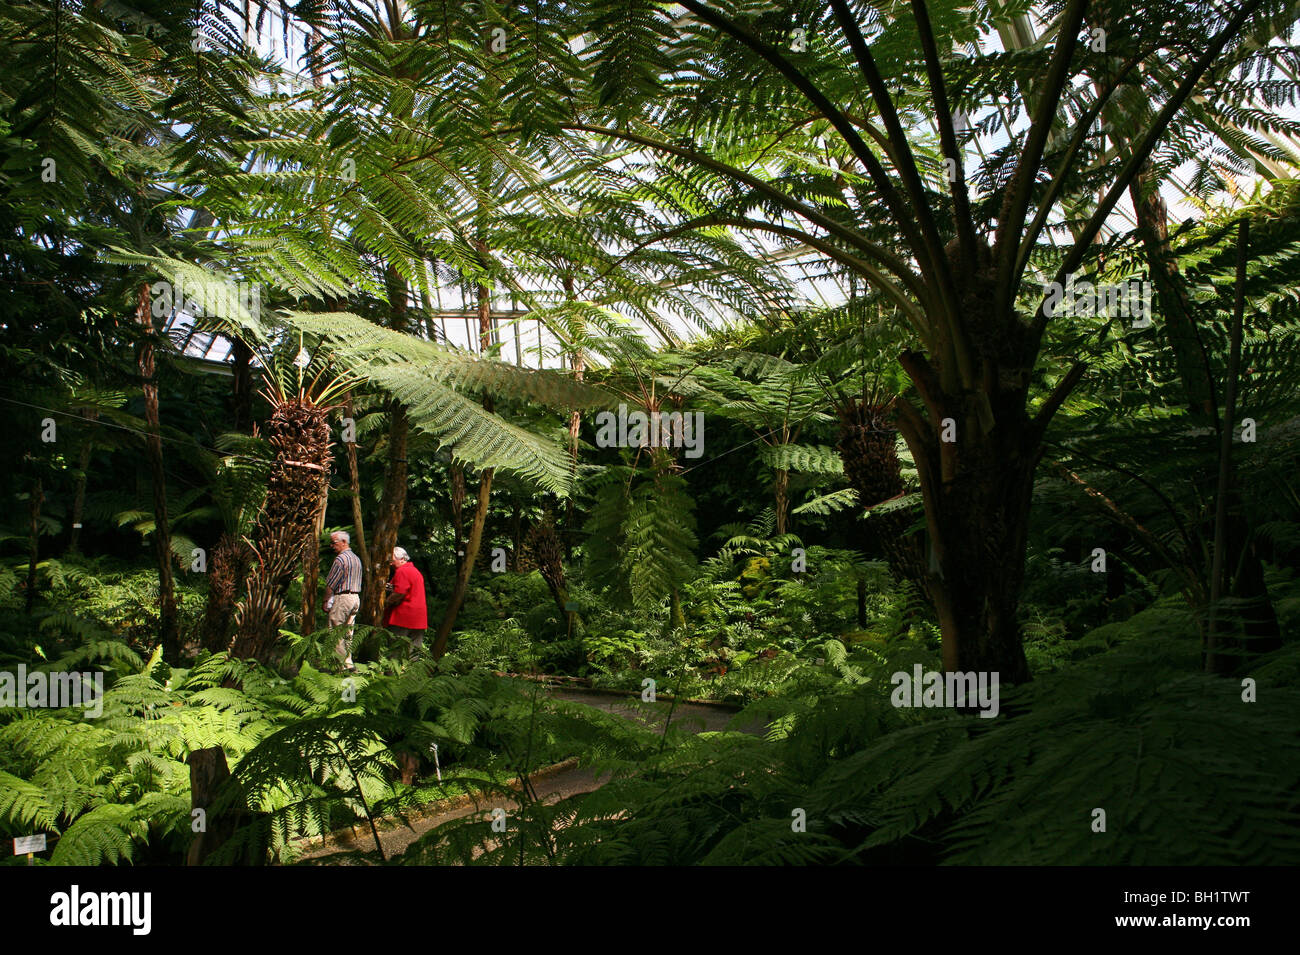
pixel 311 570
pixel 484 492
pixel 392 506
pixel 388 517
pixel 980 542
pixel 977 483
pixel 162 544
pixel 243 385
pixel 79 487
pixel 466 566
pixel 579 359
pixel 1232 536
pixel 354 486
pixel 458 509
pixel 1178 315
pixel 33 540
pixel 782 502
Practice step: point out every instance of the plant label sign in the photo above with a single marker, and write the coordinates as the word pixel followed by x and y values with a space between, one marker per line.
pixel 26 844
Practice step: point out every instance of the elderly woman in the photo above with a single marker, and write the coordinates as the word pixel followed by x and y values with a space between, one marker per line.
pixel 404 610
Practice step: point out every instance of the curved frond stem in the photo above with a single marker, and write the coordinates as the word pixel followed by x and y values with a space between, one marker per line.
pixel 833 114
pixel 947 136
pixel 1015 205
pixel 1195 73
pixel 891 262
pixel 1055 187
pixel 904 160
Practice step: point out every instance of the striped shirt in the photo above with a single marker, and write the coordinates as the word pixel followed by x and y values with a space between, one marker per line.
pixel 345 575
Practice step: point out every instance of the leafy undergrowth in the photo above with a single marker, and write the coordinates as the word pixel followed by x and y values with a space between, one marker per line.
pixel 1186 769
pixel 309 753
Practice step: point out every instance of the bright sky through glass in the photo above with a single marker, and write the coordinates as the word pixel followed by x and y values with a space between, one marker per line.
pixel 522 339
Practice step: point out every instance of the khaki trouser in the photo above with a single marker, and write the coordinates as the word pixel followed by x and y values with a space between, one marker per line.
pixel 344 611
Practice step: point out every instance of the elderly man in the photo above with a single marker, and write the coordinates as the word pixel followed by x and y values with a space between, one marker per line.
pixel 343 594
pixel 405 611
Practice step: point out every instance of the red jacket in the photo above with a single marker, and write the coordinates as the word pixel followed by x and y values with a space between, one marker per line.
pixel 411 612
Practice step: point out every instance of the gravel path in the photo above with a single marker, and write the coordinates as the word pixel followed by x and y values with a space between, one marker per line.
pixel 551 786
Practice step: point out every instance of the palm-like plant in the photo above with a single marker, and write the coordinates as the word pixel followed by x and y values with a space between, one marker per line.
pixel 954 265
pixel 427 185
pixel 298 433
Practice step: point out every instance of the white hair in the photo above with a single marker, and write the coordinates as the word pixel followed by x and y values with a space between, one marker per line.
pixel 342 534
pixel 400 553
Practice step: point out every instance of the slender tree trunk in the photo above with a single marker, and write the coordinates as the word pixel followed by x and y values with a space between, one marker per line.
pixel 1232 536
pixel 484 493
pixel 466 566
pixel 579 359
pixel 153 454
pixel 243 385
pixel 354 485
pixel 392 505
pixel 311 570
pixel 79 487
pixel 388 517
pixel 1178 315
pixel 33 540
pixel 458 510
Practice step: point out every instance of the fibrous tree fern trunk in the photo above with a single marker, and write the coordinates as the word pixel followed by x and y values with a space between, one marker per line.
pixel 545 546
pixel 781 492
pixel 1233 541
pixel 866 445
pixel 162 544
pixel 226 572
pixel 977 481
pixel 299 435
pixel 388 517
pixel 458 508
